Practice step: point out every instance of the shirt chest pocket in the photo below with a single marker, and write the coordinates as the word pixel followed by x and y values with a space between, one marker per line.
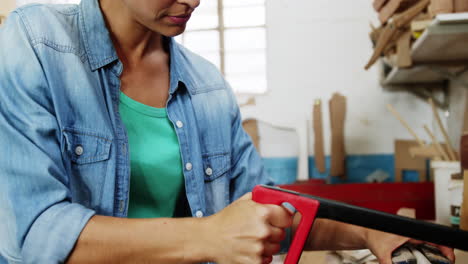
pixel 89 155
pixel 216 165
pixel 85 147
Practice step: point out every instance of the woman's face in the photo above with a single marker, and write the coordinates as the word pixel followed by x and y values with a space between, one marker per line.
pixel 167 17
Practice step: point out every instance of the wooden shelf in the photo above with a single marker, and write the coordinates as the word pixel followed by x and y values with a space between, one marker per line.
pixel 420 74
pixel 440 54
pixel 445 40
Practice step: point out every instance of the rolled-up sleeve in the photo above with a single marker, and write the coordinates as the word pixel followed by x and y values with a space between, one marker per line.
pixel 247 166
pixel 39 222
pixel 248 169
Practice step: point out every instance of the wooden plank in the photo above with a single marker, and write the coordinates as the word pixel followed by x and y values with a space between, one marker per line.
pixel 440 7
pixel 378 4
pixel 451 152
pixel 319 153
pixel 404 50
pixel 337 107
pixel 391 31
pixel 440 150
pixel 460 6
pixel 394 6
pixel 428 152
pixel 251 127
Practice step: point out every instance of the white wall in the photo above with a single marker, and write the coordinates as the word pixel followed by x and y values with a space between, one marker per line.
pixel 316 48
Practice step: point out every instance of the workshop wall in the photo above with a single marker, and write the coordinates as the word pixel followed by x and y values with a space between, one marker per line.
pixel 316 48
pixel 457 100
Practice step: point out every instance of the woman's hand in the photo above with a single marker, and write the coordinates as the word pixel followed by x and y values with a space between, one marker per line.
pixel 383 244
pixel 247 232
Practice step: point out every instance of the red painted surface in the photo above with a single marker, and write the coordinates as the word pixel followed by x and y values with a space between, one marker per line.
pixel 386 197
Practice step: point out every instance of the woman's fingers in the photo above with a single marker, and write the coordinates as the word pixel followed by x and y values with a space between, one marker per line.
pixel 279 216
pixel 267 260
pixel 271 249
pixel 277 235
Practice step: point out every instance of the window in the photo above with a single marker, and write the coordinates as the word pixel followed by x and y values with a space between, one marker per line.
pixel 232 35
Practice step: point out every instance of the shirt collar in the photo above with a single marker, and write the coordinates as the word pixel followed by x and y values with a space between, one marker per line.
pixel 101 52
pixel 96 37
pixel 179 69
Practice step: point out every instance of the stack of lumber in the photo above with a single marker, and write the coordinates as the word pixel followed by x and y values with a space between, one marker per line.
pixel 402 22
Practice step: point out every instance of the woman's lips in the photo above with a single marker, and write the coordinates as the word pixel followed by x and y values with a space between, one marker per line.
pixel 179 20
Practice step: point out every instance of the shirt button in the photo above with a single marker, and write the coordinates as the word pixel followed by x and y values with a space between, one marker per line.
pixel 121 206
pixel 179 124
pixel 199 214
pixel 209 171
pixel 79 150
pixel 188 166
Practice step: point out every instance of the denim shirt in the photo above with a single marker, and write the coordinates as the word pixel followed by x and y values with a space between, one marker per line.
pixel 64 147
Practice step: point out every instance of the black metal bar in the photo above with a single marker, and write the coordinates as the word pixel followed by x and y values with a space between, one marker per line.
pixel 395 224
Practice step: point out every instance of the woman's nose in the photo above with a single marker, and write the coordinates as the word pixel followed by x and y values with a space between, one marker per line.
pixel 191 3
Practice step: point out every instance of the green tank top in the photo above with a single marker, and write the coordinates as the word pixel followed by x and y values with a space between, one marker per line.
pixel 157 179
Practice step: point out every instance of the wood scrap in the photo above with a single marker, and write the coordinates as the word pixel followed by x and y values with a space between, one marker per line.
pixel 428 152
pixel 378 4
pixel 375 34
pixel 319 152
pixel 440 151
pixel 382 43
pixel 407 212
pixel 423 16
pixel 404 51
pixel 460 6
pixel 392 7
pixel 392 44
pixel 250 101
pixel 251 127
pixel 440 7
pixel 405 18
pixel 337 107
pixel 405 124
pixel 452 154
pixel 393 28
pixel 420 25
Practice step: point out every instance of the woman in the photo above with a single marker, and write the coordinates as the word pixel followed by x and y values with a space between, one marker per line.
pixel 94 93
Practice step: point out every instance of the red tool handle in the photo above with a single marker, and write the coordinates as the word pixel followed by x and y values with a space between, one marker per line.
pixel 306 206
